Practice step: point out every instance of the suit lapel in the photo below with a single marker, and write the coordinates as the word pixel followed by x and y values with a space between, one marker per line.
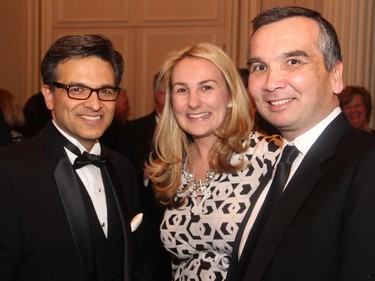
pixel 72 201
pixel 71 197
pixel 281 217
pixel 300 186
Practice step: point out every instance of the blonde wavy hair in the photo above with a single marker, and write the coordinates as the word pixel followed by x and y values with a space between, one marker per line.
pixel 171 143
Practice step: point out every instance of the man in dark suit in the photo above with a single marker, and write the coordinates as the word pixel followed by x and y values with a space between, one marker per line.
pixel 136 138
pixel 64 216
pixel 322 226
pixel 136 144
pixel 111 136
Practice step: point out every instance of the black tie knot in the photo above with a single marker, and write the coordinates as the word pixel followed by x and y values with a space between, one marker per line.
pixel 289 154
pixel 86 159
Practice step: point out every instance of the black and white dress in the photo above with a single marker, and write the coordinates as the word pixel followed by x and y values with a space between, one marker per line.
pixel 201 236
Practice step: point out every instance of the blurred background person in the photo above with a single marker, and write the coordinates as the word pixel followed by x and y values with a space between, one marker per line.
pixel 111 136
pixel 5 137
pixel 136 139
pixel 123 108
pixel 36 115
pixel 136 144
pixel 356 103
pixel 12 113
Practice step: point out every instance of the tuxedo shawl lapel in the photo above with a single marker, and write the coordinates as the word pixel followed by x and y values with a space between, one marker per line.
pixel 72 200
pixel 298 189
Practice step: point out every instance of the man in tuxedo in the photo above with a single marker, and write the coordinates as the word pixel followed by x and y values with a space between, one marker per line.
pixel 136 144
pixel 67 203
pixel 322 226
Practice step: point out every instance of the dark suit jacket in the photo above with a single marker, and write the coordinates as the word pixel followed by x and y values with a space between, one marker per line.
pixel 136 141
pixel 323 227
pixel 44 235
pixel 5 137
pixel 136 145
pixel 111 136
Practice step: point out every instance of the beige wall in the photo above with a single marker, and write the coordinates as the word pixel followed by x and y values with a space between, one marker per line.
pixel 12 49
pixel 142 31
pixel 311 4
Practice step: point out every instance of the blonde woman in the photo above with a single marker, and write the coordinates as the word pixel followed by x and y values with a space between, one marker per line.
pixel 207 167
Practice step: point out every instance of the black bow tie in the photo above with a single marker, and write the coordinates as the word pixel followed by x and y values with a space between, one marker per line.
pixel 86 159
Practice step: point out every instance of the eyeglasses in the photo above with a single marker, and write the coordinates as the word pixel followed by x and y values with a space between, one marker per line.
pixel 79 92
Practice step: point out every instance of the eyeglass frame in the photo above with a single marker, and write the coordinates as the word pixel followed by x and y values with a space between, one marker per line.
pixel 67 87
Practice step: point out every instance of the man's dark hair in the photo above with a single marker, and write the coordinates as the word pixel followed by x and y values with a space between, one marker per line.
pixel 80 46
pixel 328 41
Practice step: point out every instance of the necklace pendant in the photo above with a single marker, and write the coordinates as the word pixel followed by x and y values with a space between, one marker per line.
pixel 201 185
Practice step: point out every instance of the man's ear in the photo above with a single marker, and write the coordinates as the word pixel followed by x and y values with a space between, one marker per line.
pixel 48 96
pixel 337 80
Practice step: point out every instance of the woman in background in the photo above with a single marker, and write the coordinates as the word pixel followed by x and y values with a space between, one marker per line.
pixel 207 165
pixel 12 113
pixel 355 102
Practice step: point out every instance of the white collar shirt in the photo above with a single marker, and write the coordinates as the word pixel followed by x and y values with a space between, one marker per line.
pixel 305 141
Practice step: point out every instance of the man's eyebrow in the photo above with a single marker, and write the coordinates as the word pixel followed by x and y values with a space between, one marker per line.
pixel 85 85
pixel 253 60
pixel 297 53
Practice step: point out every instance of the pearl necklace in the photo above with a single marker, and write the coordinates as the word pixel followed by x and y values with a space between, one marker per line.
pixel 201 185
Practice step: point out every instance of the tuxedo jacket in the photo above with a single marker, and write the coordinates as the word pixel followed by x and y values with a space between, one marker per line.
pixel 323 227
pixel 44 232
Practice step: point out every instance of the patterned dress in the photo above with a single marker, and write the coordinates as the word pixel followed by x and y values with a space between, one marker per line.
pixel 201 236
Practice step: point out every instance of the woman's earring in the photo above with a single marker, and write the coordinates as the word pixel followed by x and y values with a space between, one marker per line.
pixel 229 105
